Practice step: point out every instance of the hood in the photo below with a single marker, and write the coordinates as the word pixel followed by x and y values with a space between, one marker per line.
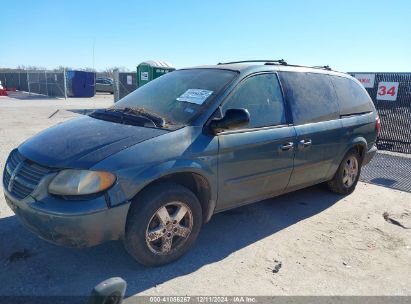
pixel 83 142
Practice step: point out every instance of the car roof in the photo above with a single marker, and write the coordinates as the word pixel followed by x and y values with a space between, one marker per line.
pixel 248 68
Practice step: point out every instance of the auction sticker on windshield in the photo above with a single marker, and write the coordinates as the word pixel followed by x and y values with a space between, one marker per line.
pixel 197 96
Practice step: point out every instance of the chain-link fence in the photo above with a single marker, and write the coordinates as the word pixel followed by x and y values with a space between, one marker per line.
pixel 47 83
pixel 50 83
pixel 38 82
pixel 18 80
pixel 391 94
pixel 123 84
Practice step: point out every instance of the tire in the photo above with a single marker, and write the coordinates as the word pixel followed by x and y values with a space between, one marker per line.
pixel 343 181
pixel 154 219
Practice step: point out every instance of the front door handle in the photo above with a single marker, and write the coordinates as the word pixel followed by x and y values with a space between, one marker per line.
pixel 305 143
pixel 287 146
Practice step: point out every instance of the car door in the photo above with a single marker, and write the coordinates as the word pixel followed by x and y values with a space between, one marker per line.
pixel 255 161
pixel 319 135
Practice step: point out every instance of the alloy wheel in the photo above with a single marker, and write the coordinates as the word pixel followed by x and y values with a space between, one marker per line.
pixel 169 228
pixel 350 171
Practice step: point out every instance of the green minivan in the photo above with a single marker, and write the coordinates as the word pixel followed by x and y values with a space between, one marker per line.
pixel 153 168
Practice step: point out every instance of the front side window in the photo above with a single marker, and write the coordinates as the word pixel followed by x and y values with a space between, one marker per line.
pixel 261 96
pixel 178 96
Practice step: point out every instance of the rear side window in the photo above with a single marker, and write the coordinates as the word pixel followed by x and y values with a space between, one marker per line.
pixel 353 98
pixel 311 96
pixel 261 96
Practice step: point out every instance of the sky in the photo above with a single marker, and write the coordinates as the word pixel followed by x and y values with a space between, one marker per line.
pixel 348 35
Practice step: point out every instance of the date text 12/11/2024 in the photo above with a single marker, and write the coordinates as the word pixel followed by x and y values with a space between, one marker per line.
pixel 203 299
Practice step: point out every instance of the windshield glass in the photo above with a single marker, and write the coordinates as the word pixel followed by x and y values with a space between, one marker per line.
pixel 178 96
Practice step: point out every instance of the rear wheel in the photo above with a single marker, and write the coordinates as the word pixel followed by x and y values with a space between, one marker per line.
pixel 346 178
pixel 163 224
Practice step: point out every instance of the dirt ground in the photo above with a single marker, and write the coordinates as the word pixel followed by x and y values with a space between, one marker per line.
pixel 310 242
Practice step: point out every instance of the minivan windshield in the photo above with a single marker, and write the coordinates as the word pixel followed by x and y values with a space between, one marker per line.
pixel 177 96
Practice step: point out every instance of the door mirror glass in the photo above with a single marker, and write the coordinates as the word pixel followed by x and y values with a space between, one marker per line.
pixel 233 118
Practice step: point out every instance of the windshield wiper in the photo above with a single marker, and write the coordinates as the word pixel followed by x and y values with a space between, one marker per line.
pixel 124 117
pixel 157 119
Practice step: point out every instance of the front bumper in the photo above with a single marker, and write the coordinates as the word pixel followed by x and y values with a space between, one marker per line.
pixel 70 223
pixel 369 155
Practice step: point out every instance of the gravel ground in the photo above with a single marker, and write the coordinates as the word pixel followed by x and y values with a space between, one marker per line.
pixel 310 242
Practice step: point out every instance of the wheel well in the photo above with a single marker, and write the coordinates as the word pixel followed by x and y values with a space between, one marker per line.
pixel 360 149
pixel 195 183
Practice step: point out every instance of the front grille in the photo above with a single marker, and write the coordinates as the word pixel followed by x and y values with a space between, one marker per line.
pixel 21 175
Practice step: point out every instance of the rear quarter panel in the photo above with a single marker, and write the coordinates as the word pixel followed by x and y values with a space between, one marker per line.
pixel 357 129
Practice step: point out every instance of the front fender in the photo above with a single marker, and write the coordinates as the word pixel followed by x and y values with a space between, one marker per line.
pixel 138 178
pixel 158 171
pixel 184 150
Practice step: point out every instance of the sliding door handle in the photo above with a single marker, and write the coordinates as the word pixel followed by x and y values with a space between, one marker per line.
pixel 287 146
pixel 305 143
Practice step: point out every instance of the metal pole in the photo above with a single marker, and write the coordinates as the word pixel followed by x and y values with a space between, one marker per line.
pixel 47 89
pixel 65 83
pixel 116 80
pixel 28 81
pixel 94 41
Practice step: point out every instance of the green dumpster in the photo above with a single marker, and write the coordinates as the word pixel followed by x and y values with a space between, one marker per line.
pixel 149 70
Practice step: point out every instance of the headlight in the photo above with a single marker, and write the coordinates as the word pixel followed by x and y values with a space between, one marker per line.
pixel 81 182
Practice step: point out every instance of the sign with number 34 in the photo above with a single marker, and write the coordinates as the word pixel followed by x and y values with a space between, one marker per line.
pixel 387 91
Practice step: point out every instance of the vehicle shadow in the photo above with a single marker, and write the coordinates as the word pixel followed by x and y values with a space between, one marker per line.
pixel 46 269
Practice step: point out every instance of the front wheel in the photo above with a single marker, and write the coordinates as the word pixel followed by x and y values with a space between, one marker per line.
pixel 163 224
pixel 346 178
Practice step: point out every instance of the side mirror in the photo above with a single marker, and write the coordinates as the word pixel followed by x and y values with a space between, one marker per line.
pixel 232 119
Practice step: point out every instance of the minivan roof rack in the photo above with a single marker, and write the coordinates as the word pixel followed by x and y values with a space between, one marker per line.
pixel 279 61
pixel 324 67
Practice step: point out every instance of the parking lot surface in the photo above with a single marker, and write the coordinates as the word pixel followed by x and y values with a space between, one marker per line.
pixel 310 242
